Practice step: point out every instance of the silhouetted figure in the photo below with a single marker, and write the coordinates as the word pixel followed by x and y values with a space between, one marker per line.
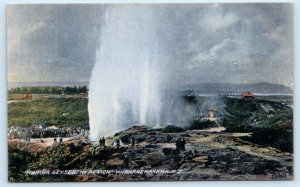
pixel 183 142
pixel 169 138
pixel 118 144
pixel 126 161
pixel 28 134
pixel 55 140
pixel 61 139
pixel 103 142
pixel 132 141
pixel 100 142
pixel 41 134
pixel 178 144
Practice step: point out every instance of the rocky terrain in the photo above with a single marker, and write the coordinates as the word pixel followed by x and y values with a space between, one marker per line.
pixel 211 154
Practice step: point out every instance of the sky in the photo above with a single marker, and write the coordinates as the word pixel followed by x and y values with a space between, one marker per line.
pixel 198 43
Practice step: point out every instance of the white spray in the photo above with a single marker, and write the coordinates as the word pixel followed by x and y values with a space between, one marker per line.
pixel 124 88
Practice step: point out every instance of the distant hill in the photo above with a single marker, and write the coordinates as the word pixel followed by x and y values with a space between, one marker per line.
pixel 211 88
pixel 203 88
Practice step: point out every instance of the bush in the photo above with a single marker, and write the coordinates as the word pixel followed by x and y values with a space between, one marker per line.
pixel 279 138
pixel 197 124
pixel 171 128
pixel 190 99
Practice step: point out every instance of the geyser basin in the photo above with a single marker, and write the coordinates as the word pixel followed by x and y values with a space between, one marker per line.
pixel 124 87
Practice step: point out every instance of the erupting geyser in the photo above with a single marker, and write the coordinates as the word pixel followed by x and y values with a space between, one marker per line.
pixel 124 87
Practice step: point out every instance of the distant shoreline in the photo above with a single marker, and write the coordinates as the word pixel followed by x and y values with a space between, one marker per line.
pixel 11 85
pixel 259 89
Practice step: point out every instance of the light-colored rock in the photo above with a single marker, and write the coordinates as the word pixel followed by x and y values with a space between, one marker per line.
pixel 114 162
pixel 202 159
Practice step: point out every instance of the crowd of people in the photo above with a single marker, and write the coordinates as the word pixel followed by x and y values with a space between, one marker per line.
pixel 58 135
pixel 180 143
pixel 41 132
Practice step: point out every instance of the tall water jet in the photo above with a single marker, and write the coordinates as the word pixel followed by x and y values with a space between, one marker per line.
pixel 124 87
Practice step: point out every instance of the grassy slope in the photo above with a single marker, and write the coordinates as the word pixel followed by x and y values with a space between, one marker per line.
pixel 270 122
pixel 15 96
pixel 49 112
pixel 246 114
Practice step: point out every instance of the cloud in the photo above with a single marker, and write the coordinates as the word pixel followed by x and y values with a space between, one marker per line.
pixel 52 42
pixel 248 44
pixel 220 50
pixel 213 20
pixel 196 42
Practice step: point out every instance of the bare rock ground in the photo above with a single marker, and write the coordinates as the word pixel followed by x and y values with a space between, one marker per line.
pixel 209 155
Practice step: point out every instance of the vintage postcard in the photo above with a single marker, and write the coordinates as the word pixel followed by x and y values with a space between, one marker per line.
pixel 150 92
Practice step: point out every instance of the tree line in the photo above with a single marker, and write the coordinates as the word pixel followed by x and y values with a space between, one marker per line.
pixel 49 90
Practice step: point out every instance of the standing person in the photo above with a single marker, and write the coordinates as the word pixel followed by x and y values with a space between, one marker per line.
pixel 169 138
pixel 126 160
pixel 118 144
pixel 100 142
pixel 132 141
pixel 61 139
pixel 28 135
pixel 103 141
pixel 178 144
pixel 183 144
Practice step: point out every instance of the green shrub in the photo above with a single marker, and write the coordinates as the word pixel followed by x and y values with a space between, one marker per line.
pixel 171 129
pixel 279 138
pixel 198 124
